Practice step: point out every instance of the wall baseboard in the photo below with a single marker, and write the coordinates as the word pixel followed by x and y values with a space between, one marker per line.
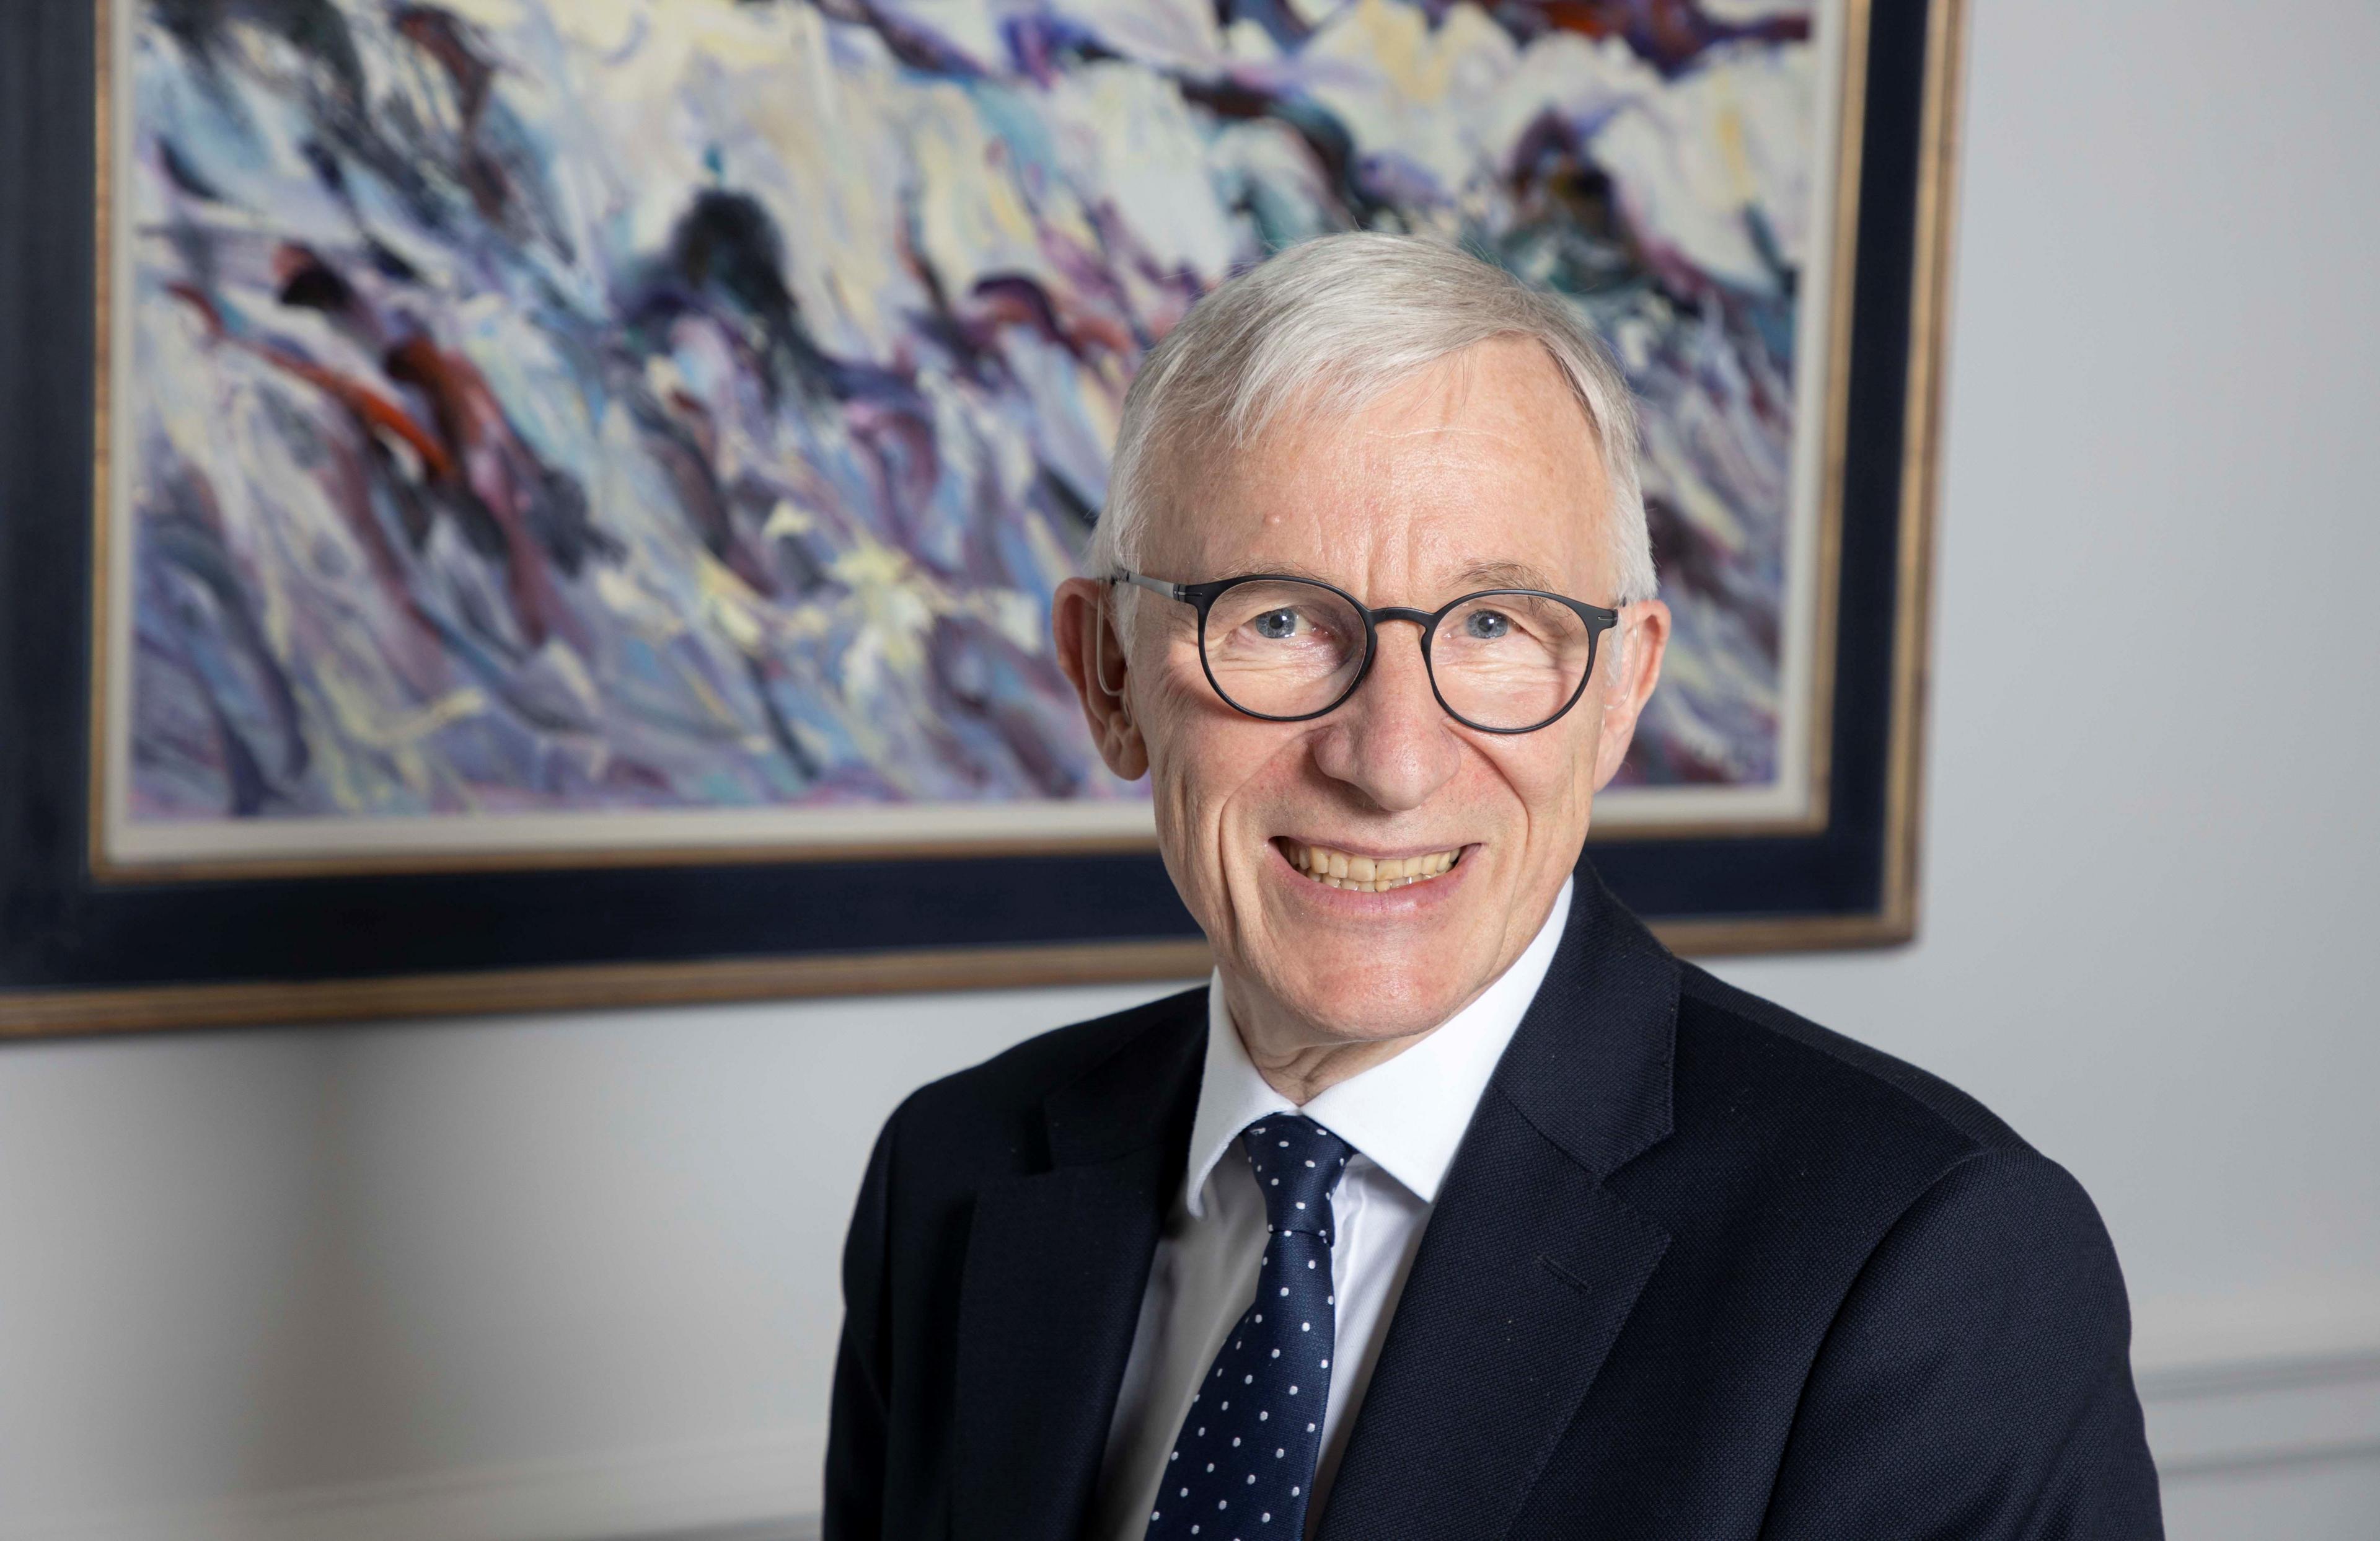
pixel 2219 1420
pixel 2233 1385
pixel 766 1478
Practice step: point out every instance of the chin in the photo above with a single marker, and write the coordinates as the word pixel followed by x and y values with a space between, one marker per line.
pixel 1360 999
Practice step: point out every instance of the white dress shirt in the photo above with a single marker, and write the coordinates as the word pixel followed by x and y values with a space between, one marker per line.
pixel 1405 1116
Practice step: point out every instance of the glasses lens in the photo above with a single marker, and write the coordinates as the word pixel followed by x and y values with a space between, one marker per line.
pixel 1510 661
pixel 1279 648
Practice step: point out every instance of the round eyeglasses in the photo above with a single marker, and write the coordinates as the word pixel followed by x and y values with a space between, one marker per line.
pixel 1289 649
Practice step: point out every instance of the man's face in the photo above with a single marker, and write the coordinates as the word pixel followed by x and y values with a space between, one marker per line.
pixel 1478 473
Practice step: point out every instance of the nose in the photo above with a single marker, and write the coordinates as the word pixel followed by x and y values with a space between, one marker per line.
pixel 1391 741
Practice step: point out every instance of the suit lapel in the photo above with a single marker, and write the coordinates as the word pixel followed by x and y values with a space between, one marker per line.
pixel 1530 1266
pixel 1056 1264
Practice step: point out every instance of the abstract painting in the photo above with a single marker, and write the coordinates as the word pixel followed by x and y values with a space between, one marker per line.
pixel 581 425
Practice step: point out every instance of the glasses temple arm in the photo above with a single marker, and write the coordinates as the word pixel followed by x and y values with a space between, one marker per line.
pixel 1155 585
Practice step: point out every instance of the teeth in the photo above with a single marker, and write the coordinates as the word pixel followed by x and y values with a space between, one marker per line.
pixel 1365 874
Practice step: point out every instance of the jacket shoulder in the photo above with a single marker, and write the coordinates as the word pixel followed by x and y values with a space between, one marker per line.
pixel 1032 1070
pixel 1747 1034
pixel 1796 1154
pixel 997 1104
pixel 1786 1135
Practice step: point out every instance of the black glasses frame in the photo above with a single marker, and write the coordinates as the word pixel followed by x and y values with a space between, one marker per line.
pixel 1202 597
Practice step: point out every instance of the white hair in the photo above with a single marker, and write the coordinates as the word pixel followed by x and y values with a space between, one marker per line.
pixel 1328 326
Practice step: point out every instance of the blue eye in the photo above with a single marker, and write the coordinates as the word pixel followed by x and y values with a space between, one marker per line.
pixel 1275 626
pixel 1487 626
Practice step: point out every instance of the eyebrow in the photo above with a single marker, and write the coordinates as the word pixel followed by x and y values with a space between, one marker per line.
pixel 1297 570
pixel 1504 575
pixel 1476 576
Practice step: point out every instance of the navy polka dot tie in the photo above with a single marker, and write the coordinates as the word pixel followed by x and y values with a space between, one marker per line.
pixel 1242 1466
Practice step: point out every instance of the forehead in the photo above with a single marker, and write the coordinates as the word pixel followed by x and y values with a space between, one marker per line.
pixel 1482 463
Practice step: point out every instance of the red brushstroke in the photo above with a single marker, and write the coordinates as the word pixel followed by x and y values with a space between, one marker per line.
pixel 473 447
pixel 372 409
pixel 497 465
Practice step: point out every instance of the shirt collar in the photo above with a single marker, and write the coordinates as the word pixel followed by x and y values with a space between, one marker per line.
pixel 1407 1113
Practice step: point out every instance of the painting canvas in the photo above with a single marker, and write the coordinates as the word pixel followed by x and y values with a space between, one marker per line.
pixel 598 425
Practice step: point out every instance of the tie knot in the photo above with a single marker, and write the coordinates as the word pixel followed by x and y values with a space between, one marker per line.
pixel 1297 1164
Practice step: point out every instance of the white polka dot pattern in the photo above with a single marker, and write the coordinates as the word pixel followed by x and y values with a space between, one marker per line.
pixel 1225 1481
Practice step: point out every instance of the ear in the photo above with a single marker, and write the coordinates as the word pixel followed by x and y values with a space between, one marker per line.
pixel 1081 624
pixel 1639 642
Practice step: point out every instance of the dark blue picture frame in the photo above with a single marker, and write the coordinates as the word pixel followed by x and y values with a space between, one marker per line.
pixel 79 953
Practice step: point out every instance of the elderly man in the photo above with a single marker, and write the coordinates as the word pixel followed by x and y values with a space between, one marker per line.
pixel 1454 1206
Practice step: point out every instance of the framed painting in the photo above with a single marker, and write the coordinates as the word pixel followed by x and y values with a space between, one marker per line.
pixel 532 503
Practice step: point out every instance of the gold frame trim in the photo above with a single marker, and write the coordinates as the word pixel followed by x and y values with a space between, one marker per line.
pixel 1921 480
pixel 39 1013
pixel 103 425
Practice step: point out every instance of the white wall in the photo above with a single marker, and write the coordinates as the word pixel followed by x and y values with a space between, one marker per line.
pixel 519 1277
pixel 573 1276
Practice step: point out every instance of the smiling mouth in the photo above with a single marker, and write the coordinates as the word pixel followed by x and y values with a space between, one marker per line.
pixel 1365 874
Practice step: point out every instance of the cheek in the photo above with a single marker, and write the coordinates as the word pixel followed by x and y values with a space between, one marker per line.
pixel 1208 771
pixel 1552 777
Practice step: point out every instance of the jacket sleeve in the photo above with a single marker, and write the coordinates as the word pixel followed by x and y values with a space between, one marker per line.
pixel 1976 1383
pixel 857 1417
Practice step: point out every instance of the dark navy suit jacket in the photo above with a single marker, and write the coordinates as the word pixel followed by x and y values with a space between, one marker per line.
pixel 1700 1269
